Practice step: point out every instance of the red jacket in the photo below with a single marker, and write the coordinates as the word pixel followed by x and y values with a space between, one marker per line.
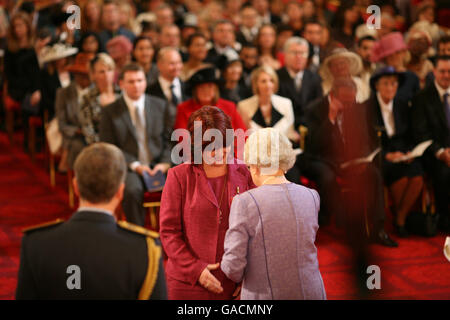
pixel 185 109
pixel 188 221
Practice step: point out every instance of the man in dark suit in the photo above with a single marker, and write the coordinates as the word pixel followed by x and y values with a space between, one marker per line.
pixel 341 130
pixel 431 120
pixel 92 256
pixel 263 8
pixel 140 125
pixel 296 82
pixel 169 87
pixel 223 37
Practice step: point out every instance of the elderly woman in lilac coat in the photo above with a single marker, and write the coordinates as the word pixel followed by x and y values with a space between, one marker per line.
pixel 269 245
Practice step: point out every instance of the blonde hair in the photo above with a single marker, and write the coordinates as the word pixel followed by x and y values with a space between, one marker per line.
pixel 103 58
pixel 263 69
pixel 270 150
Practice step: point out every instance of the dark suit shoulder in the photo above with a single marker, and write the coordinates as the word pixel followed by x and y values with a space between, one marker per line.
pixel 137 229
pixel 155 100
pixel 43 226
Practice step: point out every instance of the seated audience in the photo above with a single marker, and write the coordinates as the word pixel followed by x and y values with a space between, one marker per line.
pixel 419 44
pixel 89 42
pixel 102 93
pixel 197 52
pixel 223 38
pixel 140 125
pixel 204 89
pixel 266 109
pixel 168 85
pixel 266 44
pixel 248 29
pixel 232 87
pixel 21 68
pixel 392 50
pixel 67 105
pixel 297 83
pixel 249 57
pixel 364 50
pixel 312 32
pixel 341 63
pixel 269 265
pixel 340 131
pixel 111 24
pixel 392 117
pixel 54 74
pixel 143 53
pixel 113 260
pixel 431 121
pixel 119 48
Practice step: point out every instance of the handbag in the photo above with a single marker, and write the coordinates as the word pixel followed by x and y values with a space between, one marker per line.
pixel 422 223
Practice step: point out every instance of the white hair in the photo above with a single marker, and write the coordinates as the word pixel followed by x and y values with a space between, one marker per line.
pixel 295 40
pixel 270 150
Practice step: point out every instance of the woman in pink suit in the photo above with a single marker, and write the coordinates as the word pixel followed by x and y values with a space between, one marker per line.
pixel 194 213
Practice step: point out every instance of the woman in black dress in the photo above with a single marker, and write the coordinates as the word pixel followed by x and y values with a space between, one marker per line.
pixel 392 116
pixel 22 69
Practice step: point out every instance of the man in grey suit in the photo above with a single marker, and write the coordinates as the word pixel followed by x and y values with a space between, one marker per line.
pixel 141 126
pixel 67 105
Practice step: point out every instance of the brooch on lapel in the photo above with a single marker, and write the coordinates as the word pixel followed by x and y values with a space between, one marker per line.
pixel 231 197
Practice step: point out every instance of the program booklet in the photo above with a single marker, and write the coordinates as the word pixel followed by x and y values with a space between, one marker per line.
pixel 416 152
pixel 367 159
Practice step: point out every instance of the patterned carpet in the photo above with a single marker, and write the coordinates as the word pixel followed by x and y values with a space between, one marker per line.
pixel 417 269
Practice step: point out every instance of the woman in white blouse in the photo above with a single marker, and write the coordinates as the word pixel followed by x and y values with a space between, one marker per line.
pixel 266 109
pixel 392 116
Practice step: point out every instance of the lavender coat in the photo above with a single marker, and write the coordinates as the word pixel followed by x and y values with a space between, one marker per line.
pixel 270 243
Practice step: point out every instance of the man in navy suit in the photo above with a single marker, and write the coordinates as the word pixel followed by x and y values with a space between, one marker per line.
pixel 91 256
pixel 297 83
pixel 431 121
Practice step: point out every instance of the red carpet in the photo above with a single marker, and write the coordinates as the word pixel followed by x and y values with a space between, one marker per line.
pixel 417 269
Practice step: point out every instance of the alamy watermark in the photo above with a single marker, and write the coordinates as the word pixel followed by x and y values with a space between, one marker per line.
pixel 74 21
pixel 374 280
pixel 374 21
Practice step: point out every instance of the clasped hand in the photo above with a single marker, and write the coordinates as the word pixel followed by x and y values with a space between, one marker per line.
pixel 208 281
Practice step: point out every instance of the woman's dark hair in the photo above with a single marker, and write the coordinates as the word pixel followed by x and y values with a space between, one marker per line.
pixel 139 39
pixel 339 18
pixel 210 118
pixel 274 48
pixel 86 35
pixel 191 38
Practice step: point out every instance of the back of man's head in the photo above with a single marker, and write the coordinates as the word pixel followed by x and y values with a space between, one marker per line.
pixel 99 171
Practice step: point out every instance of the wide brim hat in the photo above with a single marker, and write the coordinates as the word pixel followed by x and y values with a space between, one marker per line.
pixel 81 64
pixel 354 59
pixel 204 75
pixel 388 45
pixel 386 71
pixel 56 52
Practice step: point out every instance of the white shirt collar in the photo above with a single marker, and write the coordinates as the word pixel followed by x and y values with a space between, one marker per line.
pixel 295 75
pixel 132 103
pixel 385 106
pixel 165 86
pixel 441 90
